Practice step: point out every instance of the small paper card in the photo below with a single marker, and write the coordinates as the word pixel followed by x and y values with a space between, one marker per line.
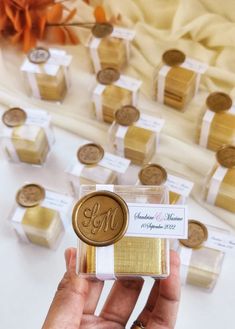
pixel 157 221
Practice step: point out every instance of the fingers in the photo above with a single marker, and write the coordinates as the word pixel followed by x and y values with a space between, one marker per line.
pixel 164 313
pixel 68 304
pixel 121 301
pixel 94 287
pixel 150 304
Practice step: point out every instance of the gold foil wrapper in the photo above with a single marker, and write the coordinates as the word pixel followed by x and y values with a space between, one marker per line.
pixel 226 196
pixel 133 256
pixel 51 88
pixel 42 226
pixel 222 130
pixel 139 144
pixel 175 198
pixel 180 85
pixel 112 52
pixel 205 266
pixel 30 151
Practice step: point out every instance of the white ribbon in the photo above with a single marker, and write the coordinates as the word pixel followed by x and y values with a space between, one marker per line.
pixel 105 255
pixel 215 183
pixel 185 258
pixel 205 128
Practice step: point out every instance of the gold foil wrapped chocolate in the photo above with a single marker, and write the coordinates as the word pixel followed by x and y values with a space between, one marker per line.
pixel 216 126
pixel 201 263
pixel 220 184
pixel 37 218
pixel 46 73
pixel 112 93
pixel 175 82
pixel 132 137
pixel 132 256
pixel 27 135
pixel 110 46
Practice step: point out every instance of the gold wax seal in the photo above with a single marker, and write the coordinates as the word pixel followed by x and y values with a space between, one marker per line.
pixel 108 76
pixel 14 117
pixel 30 195
pixel 226 156
pixel 39 55
pixel 219 102
pixel 100 218
pixel 127 115
pixel 173 57
pixel 197 234
pixel 102 30
pixel 90 154
pixel 152 174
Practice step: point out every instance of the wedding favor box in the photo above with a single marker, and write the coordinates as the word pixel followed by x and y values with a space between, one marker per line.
pixel 177 79
pixel 26 135
pixel 93 165
pixel 110 46
pixel 202 254
pixel 219 187
pixel 135 135
pixel 40 216
pixel 46 73
pixel 155 175
pixel 216 126
pixel 112 92
pixel 123 231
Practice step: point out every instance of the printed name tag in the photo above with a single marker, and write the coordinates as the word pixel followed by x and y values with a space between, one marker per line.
pixel 157 221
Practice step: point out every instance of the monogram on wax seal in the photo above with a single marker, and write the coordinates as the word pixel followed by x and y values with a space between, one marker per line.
pixel 100 218
pixel 30 195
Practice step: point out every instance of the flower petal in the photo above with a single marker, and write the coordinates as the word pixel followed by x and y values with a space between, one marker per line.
pixel 55 13
pixel 100 15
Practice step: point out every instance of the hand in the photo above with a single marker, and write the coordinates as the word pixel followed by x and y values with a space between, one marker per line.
pixel 76 299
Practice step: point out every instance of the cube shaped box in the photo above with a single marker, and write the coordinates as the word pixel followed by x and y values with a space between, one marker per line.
pixel 216 124
pixel 109 96
pixel 135 135
pixel 125 256
pixel 176 79
pixel 219 188
pixel 111 51
pixel 201 264
pixel 40 216
pixel 27 135
pixel 46 73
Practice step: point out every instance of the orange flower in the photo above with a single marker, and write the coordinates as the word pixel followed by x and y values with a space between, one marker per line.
pixel 26 21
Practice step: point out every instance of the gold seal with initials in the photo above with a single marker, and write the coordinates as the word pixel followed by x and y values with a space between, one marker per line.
pixel 90 154
pixel 219 102
pixel 108 76
pixel 14 117
pixel 30 195
pixel 127 115
pixel 152 174
pixel 197 234
pixel 39 55
pixel 173 57
pixel 100 218
pixel 102 30
pixel 226 156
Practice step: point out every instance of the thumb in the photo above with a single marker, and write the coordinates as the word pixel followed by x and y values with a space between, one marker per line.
pixel 68 304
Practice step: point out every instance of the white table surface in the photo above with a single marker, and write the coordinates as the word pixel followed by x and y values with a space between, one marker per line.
pixel 30 274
